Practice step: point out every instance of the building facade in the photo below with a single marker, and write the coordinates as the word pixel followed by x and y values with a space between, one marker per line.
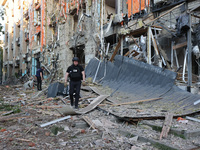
pixel 51 32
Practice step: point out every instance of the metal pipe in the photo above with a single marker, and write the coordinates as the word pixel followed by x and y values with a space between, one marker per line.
pixel 172 55
pixel 122 46
pixel 149 46
pixel 189 43
pixel 55 121
pixel 184 66
pixel 176 57
pixel 97 71
pixel 108 46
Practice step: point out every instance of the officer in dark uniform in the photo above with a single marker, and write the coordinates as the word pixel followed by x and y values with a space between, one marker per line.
pixel 76 74
pixel 39 75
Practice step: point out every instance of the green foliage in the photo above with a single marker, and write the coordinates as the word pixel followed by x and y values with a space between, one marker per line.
pixel 55 129
pixel 8 107
pixel 163 147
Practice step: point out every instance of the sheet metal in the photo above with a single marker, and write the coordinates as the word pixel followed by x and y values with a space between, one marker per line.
pixel 143 81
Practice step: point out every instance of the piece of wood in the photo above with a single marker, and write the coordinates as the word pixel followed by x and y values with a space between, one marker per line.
pixel 135 42
pixel 155 26
pixel 47 107
pixel 97 105
pixel 134 102
pixel 92 125
pixel 13 118
pixel 7 113
pixel 180 45
pixel 164 55
pixel 166 125
pixel 116 50
pixel 30 129
pixel 193 119
pixel 23 140
pixel 128 53
pixel 39 101
pixel 154 44
pixel 135 54
pixel 166 13
pixel 195 16
pixel 86 97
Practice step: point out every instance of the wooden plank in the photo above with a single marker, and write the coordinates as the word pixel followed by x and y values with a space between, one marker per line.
pixel 116 50
pixel 195 16
pixel 86 97
pixel 47 107
pixel 166 125
pixel 146 100
pixel 166 12
pixel 135 54
pixel 135 42
pixel 155 26
pixel 179 45
pixel 92 125
pixel 164 55
pixel 23 140
pixel 13 118
pixel 3 2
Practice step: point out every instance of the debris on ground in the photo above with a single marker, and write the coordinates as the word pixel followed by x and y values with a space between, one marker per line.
pixel 27 125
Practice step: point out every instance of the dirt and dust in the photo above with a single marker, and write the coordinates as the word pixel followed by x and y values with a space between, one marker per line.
pixel 22 115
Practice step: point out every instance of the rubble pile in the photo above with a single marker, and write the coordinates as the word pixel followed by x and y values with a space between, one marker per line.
pixel 30 122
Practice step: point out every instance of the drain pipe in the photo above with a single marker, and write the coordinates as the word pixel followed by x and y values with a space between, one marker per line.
pixel 97 71
pixel 108 46
pixel 184 66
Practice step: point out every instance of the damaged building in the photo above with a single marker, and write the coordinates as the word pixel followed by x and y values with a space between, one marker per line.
pixel 50 32
pixel 141 59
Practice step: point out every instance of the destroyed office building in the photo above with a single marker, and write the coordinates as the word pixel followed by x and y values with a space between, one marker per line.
pixel 50 32
pixel 142 63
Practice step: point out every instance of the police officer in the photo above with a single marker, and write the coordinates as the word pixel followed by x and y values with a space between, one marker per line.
pixel 39 75
pixel 76 74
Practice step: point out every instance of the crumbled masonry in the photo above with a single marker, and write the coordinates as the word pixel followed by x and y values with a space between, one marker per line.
pixel 141 59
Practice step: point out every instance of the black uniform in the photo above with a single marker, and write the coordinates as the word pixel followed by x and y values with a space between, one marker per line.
pixel 39 80
pixel 75 74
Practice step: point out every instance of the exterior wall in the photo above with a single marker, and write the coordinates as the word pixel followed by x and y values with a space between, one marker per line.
pixel 42 30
